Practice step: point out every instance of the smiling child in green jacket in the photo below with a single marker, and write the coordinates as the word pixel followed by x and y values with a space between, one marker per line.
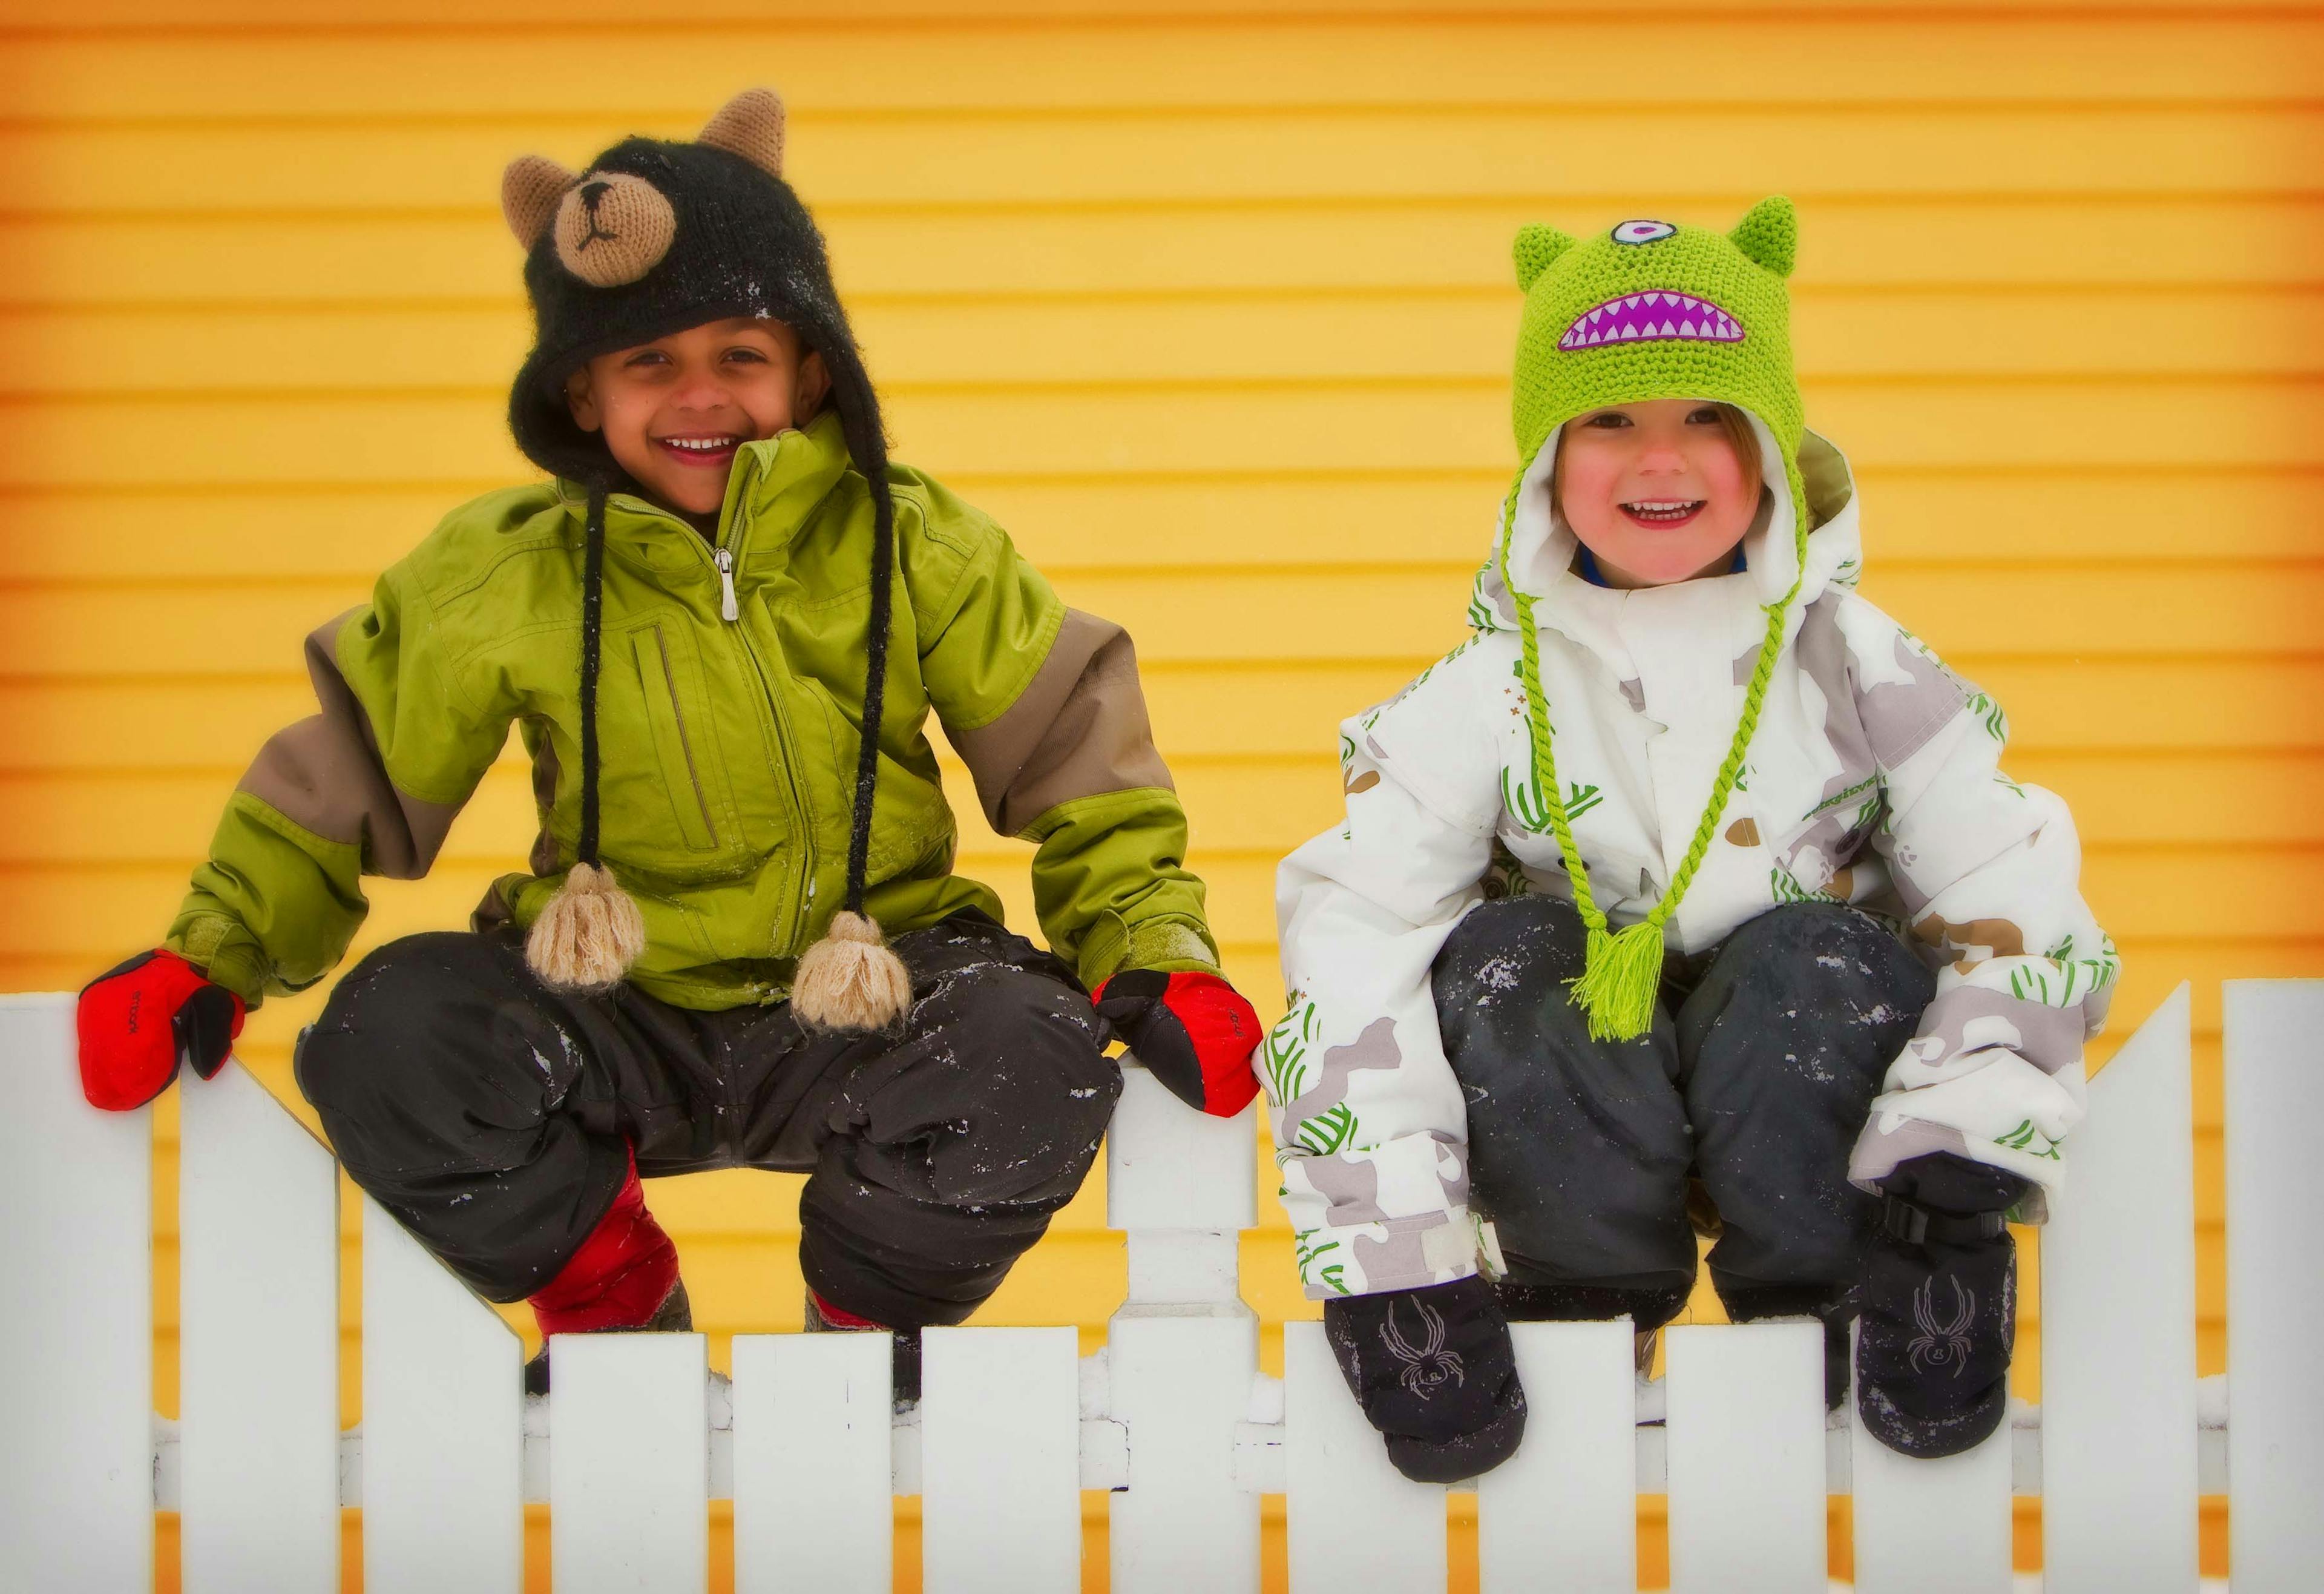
pixel 720 632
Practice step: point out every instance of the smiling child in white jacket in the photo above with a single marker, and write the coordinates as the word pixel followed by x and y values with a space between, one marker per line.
pixel 1689 885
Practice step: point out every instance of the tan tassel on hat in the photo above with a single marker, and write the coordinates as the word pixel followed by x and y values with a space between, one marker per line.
pixel 850 981
pixel 589 933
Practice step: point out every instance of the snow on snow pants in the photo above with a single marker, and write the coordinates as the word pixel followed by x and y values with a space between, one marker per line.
pixel 489 1113
pixel 1736 1109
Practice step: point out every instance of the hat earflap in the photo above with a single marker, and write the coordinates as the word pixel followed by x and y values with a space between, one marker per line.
pixel 590 933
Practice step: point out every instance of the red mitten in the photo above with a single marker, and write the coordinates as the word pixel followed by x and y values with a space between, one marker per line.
pixel 1194 1032
pixel 139 1022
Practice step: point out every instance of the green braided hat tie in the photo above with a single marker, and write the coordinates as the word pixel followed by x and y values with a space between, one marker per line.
pixel 1649 311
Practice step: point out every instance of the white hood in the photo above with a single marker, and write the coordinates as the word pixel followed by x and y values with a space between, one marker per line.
pixel 1542 546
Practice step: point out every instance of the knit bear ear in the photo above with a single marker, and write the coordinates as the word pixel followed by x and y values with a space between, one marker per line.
pixel 1770 236
pixel 529 190
pixel 1536 247
pixel 749 124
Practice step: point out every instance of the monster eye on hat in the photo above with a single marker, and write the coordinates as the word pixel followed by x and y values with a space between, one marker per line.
pixel 655 236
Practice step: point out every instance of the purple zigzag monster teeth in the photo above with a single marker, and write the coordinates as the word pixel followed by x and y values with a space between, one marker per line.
pixel 1651 317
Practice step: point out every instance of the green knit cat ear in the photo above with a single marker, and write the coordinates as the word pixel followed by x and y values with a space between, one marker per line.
pixel 1770 236
pixel 1536 247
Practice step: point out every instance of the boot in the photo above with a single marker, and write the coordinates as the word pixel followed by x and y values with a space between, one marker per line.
pixel 621 1278
pixel 1940 1308
pixel 674 1315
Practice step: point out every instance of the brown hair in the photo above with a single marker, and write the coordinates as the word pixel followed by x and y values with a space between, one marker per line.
pixel 1731 421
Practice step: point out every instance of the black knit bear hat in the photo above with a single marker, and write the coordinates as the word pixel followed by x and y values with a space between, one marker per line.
pixel 655 236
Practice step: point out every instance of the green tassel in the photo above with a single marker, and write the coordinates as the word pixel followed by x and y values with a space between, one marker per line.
pixel 1621 974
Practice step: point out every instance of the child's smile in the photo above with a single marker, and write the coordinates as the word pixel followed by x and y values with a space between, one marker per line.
pixel 1658 491
pixel 712 451
pixel 1664 512
pixel 674 411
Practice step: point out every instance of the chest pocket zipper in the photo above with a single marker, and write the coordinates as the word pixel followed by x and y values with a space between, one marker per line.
pixel 673 748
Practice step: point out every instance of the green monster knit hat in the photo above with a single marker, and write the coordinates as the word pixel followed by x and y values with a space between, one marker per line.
pixel 1650 311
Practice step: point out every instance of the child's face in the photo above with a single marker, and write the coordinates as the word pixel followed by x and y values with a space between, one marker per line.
pixel 1656 491
pixel 673 411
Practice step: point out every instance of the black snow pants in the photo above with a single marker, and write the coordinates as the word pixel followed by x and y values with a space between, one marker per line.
pixel 495 1118
pixel 1736 1112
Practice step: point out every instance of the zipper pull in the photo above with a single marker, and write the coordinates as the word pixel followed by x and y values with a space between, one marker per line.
pixel 727 608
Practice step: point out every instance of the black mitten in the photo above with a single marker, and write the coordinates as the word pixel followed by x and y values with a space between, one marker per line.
pixel 1435 1373
pixel 1939 1307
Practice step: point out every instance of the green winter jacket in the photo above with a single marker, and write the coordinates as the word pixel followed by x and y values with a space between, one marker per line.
pixel 730 704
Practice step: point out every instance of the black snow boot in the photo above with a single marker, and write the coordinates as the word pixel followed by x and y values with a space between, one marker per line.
pixel 1939 1303
pixel 674 1315
pixel 1435 1373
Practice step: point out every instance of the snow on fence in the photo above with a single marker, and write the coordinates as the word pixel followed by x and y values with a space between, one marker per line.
pixel 1172 1416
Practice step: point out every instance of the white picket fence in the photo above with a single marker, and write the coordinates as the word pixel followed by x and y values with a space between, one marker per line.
pixel 1172 1416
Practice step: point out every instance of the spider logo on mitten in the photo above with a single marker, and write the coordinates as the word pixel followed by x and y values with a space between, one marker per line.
pixel 1945 1344
pixel 1430 1368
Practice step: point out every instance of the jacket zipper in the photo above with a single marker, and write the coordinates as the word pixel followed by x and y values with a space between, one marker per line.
pixel 729 610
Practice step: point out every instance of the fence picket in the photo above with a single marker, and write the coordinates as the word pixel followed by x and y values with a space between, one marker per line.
pixel 443 1402
pixel 1001 1461
pixel 1562 1511
pixel 1352 1520
pixel 1168 1166
pixel 2118 1446
pixel 1180 1385
pixel 75 1320
pixel 258 1289
pixel 813 1469
pixel 1931 1527
pixel 2275 1284
pixel 257 1466
pixel 1181 1352
pixel 1745 1458
pixel 628 1471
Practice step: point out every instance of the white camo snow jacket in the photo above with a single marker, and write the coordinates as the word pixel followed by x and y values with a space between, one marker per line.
pixel 1873 779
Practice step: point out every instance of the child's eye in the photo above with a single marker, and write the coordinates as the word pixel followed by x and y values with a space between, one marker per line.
pixel 1706 416
pixel 1607 420
pixel 746 354
pixel 646 356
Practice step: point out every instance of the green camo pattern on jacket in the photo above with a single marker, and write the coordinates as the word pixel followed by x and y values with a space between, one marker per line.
pixel 729 745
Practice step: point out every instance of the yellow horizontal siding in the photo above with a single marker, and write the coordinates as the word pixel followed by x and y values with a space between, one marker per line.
pixel 950 343
pixel 1376 242
pixel 966 156
pixel 1211 306
pixel 1429 56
